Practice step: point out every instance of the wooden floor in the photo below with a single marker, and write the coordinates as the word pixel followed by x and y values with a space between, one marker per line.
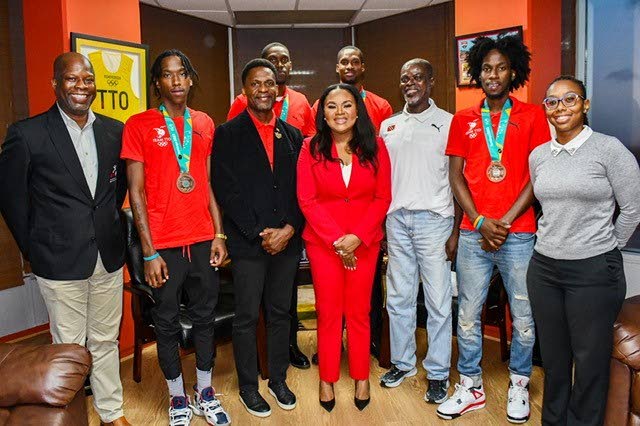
pixel 146 403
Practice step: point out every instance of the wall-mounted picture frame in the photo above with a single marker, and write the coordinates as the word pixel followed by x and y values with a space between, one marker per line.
pixel 120 69
pixel 464 44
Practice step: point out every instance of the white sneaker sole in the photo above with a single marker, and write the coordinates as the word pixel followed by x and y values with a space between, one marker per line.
pixel 280 404
pixel 201 413
pixel 518 420
pixel 437 401
pixel 255 413
pixel 472 407
pixel 395 384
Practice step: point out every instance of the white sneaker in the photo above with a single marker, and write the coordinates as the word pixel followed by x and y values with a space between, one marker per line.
pixel 465 398
pixel 208 406
pixel 518 399
pixel 179 412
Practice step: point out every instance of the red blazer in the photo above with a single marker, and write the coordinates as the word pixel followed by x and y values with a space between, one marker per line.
pixel 333 209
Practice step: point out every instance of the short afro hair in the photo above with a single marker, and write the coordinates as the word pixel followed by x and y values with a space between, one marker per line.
pixel 270 46
pixel 357 50
pixel 510 46
pixel 255 63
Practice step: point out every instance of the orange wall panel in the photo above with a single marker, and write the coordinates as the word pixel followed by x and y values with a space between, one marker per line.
pixel 43 41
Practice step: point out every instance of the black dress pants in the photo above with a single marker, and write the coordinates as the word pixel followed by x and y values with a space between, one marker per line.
pixel 267 279
pixel 191 273
pixel 575 303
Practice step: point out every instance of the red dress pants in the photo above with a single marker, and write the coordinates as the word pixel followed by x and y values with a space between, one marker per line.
pixel 341 293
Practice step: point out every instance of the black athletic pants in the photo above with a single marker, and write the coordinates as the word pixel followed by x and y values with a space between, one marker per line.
pixel 575 303
pixel 267 279
pixel 191 273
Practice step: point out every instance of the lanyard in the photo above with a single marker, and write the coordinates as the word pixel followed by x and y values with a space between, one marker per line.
pixel 363 94
pixel 182 151
pixel 285 108
pixel 495 143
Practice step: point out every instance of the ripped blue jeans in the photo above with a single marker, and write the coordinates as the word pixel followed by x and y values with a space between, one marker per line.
pixel 474 268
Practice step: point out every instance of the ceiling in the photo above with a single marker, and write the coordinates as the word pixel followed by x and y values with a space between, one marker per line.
pixel 291 13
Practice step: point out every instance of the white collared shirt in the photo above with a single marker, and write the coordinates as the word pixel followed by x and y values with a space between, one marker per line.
pixel 84 143
pixel 572 146
pixel 419 166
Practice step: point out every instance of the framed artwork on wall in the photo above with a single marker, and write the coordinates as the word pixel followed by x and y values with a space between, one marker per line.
pixel 120 68
pixel 464 44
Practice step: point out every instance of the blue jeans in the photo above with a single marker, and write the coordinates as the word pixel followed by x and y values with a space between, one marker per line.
pixel 474 268
pixel 416 242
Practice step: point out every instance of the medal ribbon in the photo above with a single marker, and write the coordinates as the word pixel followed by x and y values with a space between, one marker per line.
pixel 285 108
pixel 495 143
pixel 363 94
pixel 181 150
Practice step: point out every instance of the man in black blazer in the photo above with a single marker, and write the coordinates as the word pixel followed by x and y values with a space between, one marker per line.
pixel 254 179
pixel 62 184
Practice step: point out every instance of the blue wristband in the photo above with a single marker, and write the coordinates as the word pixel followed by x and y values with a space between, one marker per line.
pixel 150 258
pixel 479 224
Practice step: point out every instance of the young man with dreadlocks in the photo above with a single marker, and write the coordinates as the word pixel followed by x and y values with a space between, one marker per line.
pixel 168 151
pixel 489 146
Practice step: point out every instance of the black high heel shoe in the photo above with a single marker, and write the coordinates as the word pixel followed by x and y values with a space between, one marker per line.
pixel 361 404
pixel 328 405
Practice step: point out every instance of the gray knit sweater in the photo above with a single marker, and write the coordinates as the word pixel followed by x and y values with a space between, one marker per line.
pixel 578 194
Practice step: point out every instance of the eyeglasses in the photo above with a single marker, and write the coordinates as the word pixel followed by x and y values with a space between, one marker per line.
pixel 568 100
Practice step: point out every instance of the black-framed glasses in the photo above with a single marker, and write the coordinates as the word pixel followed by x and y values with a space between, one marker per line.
pixel 568 100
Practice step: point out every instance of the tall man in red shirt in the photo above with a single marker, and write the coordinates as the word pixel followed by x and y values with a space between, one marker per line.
pixel 350 69
pixel 489 146
pixel 168 153
pixel 290 105
pixel 254 177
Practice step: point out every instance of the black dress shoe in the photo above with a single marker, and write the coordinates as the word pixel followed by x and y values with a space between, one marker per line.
pixel 283 395
pixel 361 403
pixel 297 358
pixel 328 405
pixel 255 403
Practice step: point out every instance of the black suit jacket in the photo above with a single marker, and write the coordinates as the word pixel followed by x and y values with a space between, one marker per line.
pixel 253 196
pixel 47 204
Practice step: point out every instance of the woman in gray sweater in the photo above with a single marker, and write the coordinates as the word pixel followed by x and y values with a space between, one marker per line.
pixel 576 278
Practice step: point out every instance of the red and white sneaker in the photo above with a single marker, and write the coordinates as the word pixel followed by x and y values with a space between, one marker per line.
pixel 518 399
pixel 465 398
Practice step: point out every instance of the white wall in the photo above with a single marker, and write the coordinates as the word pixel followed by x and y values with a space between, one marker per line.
pixel 632 272
pixel 22 307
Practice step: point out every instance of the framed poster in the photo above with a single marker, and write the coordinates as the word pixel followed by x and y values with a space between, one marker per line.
pixel 464 44
pixel 120 69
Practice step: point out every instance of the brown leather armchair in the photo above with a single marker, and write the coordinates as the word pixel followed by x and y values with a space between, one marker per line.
pixel 623 401
pixel 43 384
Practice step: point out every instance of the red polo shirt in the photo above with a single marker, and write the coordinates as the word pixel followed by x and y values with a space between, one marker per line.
pixel 377 108
pixel 527 129
pixel 175 219
pixel 299 116
pixel 265 130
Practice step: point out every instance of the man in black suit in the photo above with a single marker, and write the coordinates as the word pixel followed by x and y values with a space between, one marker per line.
pixel 254 179
pixel 61 186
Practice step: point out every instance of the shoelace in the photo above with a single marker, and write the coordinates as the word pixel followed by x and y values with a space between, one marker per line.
pixel 518 392
pixel 179 416
pixel 459 392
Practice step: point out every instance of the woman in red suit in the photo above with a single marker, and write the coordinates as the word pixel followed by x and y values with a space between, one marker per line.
pixel 344 191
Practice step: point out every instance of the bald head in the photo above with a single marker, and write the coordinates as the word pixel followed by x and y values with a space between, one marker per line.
pixel 63 61
pixel 74 85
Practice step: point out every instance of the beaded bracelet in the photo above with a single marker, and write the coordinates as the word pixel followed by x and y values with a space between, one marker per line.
pixel 150 258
